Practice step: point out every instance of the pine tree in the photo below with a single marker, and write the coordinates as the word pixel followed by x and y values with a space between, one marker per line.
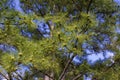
pixel 71 23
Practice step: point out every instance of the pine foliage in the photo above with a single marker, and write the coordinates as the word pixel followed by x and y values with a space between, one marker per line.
pixel 75 22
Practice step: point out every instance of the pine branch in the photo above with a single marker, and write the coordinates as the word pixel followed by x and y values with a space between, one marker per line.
pixel 11 24
pixel 90 2
pixel 65 68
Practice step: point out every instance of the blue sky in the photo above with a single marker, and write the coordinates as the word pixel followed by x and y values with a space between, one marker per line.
pixel 90 58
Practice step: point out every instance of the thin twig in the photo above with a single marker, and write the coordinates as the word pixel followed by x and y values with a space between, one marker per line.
pixel 4 76
pixel 11 24
pixel 90 2
pixel 77 77
pixel 66 67
pixel 77 6
pixel 19 75
pixel 42 73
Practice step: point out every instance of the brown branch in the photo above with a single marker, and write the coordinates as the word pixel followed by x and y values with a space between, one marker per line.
pixel 19 75
pixel 40 11
pixel 4 24
pixel 77 6
pixel 12 24
pixel 4 76
pixel 42 73
pixel 106 12
pixel 40 33
pixel 16 77
pixel 77 77
pixel 90 2
pixel 65 68
pixel 109 67
pixel 10 77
